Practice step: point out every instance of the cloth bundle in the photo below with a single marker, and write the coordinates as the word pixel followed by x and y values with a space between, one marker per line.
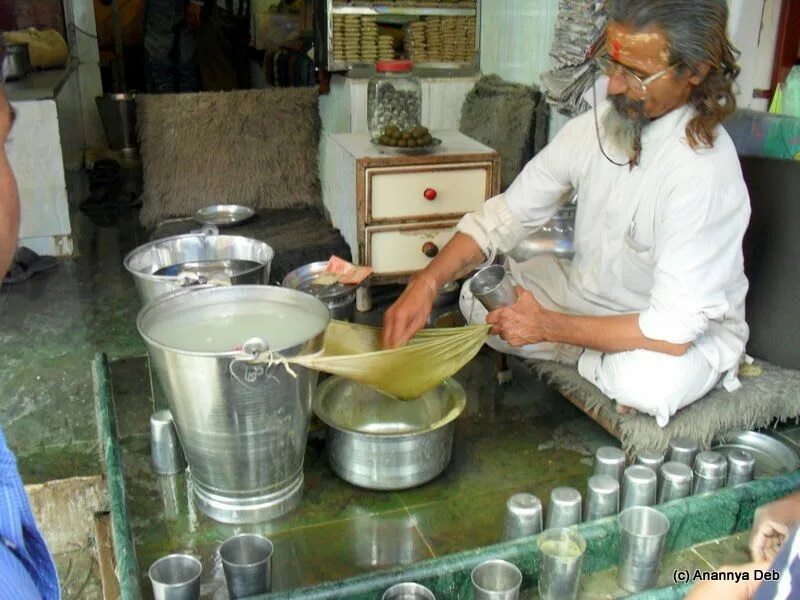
pixel 579 30
pixel 354 352
pixel 46 47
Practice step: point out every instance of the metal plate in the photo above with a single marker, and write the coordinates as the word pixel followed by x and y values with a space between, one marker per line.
pixel 303 278
pixel 223 214
pixel 773 457
pixel 399 150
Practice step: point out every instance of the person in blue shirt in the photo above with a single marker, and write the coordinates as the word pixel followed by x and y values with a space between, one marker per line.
pixel 27 571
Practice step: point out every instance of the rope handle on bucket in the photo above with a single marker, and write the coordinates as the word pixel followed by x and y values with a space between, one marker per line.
pixel 256 351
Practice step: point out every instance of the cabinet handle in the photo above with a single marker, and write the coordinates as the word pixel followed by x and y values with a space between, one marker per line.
pixel 430 249
pixel 430 194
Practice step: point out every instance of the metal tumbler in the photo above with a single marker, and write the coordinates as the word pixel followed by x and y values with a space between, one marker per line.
pixel 523 516
pixel 496 580
pixel 643 531
pixel 408 591
pixel 165 447
pixel 682 449
pixel 676 482
pixel 710 472
pixel 560 568
pixel 602 497
pixel 247 563
pixel 493 287
pixel 650 458
pixel 176 577
pixel 610 461
pixel 741 467
pixel 564 509
pixel 638 487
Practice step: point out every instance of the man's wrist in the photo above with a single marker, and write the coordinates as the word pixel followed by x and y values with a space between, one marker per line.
pixel 427 281
pixel 553 325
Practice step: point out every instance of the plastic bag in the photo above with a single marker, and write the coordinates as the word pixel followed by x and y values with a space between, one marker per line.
pixel 354 352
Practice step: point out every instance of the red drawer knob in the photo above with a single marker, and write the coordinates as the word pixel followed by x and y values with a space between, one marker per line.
pixel 430 194
pixel 430 249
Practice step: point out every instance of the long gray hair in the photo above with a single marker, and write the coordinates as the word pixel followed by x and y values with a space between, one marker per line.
pixel 697 34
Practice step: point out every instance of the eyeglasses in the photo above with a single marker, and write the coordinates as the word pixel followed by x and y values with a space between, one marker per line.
pixel 611 67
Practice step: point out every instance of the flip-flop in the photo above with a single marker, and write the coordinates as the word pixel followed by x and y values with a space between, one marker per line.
pixel 26 263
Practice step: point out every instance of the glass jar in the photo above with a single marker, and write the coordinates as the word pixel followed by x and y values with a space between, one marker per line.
pixel 394 98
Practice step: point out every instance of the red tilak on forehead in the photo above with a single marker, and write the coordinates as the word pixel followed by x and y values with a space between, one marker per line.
pixel 616 46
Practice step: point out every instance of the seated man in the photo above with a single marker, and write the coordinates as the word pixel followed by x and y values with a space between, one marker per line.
pixel 652 305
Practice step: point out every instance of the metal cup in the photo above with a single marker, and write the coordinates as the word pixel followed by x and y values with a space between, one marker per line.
pixel 642 536
pixel 247 562
pixel 496 580
pixel 493 288
pixel 408 591
pixel 741 467
pixel 710 472
pixel 176 577
pixel 602 497
pixel 650 458
pixel 676 482
pixel 165 448
pixel 638 487
pixel 560 569
pixel 523 516
pixel 564 509
pixel 682 449
pixel 610 461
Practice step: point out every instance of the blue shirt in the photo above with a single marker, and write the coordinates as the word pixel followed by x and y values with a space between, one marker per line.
pixel 787 565
pixel 27 570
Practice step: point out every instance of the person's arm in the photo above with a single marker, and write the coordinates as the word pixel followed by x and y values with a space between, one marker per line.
pixel 498 226
pixel 9 195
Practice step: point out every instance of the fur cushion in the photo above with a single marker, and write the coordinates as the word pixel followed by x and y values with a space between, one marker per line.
pixel 253 147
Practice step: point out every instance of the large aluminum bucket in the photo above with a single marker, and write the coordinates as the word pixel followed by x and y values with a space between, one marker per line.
pixel 243 425
pixel 197 258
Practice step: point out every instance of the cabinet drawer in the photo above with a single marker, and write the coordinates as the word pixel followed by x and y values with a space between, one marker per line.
pixel 402 249
pixel 429 192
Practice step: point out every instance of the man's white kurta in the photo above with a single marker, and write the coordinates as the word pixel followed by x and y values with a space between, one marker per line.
pixel 663 240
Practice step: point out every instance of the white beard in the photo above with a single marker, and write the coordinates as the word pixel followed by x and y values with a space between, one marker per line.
pixel 621 131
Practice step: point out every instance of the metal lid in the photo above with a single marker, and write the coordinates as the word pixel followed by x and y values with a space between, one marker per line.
pixel 394 66
pixel 677 472
pixel 603 484
pixel 710 464
pixel 640 474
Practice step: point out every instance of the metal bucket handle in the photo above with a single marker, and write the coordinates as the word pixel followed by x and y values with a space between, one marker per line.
pixel 255 354
pixel 207 230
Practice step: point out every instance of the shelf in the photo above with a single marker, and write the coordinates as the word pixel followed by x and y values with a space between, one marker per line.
pixel 426 11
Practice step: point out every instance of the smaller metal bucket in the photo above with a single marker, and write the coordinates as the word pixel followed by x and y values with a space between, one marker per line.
pixel 339 298
pixel 195 259
pixel 118 114
pixel 381 443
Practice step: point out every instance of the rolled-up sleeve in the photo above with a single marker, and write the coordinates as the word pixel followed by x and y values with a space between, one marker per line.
pixel 698 254
pixel 530 200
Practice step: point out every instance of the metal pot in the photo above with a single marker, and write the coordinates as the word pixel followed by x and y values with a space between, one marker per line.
pixel 381 443
pixel 173 263
pixel 17 62
pixel 340 299
pixel 555 237
pixel 243 425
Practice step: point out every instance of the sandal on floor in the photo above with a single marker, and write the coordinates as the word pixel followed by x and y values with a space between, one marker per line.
pixel 26 263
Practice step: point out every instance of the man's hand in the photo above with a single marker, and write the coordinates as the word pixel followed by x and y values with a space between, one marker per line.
pixel 771 525
pixel 194 15
pixel 410 313
pixel 525 322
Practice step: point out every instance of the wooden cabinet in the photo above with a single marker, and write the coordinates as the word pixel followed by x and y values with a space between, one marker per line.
pixel 396 211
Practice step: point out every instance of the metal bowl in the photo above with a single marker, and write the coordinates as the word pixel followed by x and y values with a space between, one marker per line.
pixel 381 443
pixel 340 297
pixel 773 457
pixel 415 151
pixel 223 214
pixel 448 294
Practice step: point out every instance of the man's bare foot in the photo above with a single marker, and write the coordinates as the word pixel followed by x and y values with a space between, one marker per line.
pixel 625 410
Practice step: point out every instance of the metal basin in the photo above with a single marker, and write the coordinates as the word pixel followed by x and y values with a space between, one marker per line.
pixel 340 298
pixel 173 263
pixel 243 425
pixel 380 443
pixel 554 238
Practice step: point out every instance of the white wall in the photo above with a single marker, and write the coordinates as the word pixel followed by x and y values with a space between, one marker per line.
pixel 755 37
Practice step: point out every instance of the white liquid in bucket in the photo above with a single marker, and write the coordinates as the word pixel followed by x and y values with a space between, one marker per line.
pixel 226 326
